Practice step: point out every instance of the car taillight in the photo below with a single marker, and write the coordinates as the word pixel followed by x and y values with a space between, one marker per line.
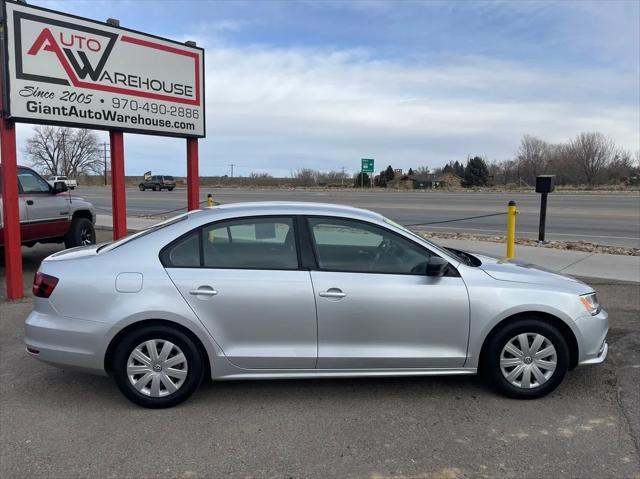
pixel 43 284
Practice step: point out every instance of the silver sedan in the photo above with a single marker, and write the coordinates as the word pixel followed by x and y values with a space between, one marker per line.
pixel 292 290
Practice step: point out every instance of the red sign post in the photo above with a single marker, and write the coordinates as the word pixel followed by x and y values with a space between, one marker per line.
pixel 10 211
pixel 97 82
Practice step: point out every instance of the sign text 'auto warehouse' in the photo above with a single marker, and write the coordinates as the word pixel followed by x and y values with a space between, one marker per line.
pixel 70 71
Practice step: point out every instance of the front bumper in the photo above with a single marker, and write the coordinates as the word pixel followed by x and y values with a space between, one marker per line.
pixel 592 344
pixel 66 342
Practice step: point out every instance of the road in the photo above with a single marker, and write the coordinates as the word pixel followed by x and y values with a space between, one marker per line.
pixel 611 219
pixel 57 423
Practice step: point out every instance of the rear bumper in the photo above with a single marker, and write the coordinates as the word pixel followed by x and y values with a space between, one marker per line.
pixel 66 342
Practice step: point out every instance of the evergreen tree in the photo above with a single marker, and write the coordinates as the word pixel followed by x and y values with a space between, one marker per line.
pixel 476 172
pixel 459 169
pixel 411 173
pixel 389 174
pixel 362 180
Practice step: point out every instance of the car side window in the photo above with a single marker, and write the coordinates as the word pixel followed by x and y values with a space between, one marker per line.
pixel 184 253
pixel 32 183
pixel 359 247
pixel 251 243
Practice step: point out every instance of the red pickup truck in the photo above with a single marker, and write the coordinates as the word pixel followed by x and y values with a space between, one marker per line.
pixel 48 214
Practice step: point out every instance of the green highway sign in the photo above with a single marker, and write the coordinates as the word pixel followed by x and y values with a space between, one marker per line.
pixel 367 165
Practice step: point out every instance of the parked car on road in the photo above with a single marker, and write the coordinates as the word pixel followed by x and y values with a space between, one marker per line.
pixel 293 290
pixel 49 216
pixel 157 183
pixel 71 184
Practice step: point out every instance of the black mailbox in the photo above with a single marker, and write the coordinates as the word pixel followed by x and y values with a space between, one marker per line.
pixel 544 183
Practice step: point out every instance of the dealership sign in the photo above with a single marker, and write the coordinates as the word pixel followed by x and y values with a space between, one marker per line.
pixel 64 70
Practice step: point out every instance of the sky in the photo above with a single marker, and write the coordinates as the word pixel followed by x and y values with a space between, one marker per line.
pixel 310 84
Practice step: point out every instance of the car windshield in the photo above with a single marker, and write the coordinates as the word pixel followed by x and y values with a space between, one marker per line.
pixel 151 229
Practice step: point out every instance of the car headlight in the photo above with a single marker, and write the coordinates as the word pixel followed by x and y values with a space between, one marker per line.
pixel 590 302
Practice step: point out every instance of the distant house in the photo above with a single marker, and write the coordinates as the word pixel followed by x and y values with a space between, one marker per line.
pixel 424 181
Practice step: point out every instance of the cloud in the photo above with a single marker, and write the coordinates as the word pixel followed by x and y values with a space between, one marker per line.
pixel 280 109
pixel 461 78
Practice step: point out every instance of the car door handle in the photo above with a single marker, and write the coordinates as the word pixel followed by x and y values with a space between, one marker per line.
pixel 203 292
pixel 29 202
pixel 333 293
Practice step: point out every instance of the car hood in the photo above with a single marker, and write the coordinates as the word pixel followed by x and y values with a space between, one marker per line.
pixel 525 272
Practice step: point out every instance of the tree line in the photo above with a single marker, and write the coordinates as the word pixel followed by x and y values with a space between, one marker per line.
pixel 589 158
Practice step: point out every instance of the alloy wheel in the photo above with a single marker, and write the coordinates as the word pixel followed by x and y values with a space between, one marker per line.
pixel 157 368
pixel 86 236
pixel 528 360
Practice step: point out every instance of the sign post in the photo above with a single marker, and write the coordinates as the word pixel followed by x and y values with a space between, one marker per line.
pixel 63 70
pixel 544 186
pixel 367 166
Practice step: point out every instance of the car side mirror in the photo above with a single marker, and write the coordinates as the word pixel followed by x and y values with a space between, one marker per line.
pixel 59 187
pixel 436 266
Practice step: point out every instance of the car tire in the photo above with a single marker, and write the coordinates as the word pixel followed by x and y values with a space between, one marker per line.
pixel 154 385
pixel 141 187
pixel 530 370
pixel 81 233
pixel 170 189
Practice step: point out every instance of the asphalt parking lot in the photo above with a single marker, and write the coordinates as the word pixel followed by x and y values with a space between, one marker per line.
pixel 56 423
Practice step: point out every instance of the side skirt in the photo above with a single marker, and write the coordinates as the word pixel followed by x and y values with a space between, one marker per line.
pixel 342 373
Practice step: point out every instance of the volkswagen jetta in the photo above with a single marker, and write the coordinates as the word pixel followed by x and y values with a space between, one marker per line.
pixel 292 290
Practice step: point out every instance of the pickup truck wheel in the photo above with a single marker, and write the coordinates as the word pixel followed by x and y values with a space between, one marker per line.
pixel 170 189
pixel 141 187
pixel 156 188
pixel 81 233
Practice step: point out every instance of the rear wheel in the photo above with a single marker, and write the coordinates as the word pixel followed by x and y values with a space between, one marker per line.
pixel 157 366
pixel 170 189
pixel 526 359
pixel 141 187
pixel 81 233
pixel 156 187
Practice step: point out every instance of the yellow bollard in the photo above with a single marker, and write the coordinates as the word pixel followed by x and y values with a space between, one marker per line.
pixel 511 229
pixel 209 200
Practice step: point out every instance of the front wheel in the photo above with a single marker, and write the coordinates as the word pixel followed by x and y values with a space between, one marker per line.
pixel 157 366
pixel 141 187
pixel 81 233
pixel 526 359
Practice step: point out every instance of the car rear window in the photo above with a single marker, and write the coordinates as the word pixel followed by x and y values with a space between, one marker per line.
pixel 142 233
pixel 169 178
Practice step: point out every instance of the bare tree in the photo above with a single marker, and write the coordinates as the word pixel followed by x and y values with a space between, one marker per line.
pixel 592 153
pixel 532 157
pixel 63 151
pixel 259 175
pixel 306 176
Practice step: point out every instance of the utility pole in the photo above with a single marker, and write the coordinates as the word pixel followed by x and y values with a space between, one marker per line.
pixel 342 177
pixel 232 165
